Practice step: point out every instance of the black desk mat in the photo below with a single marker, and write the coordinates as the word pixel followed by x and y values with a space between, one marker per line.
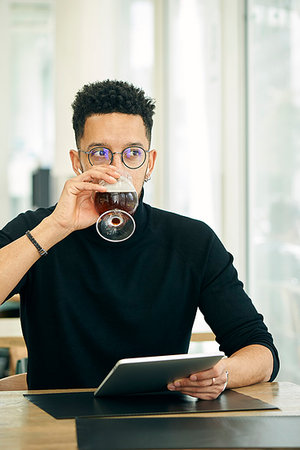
pixel 75 404
pixel 188 433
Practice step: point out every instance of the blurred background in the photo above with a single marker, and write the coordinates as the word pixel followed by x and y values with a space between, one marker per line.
pixel 226 78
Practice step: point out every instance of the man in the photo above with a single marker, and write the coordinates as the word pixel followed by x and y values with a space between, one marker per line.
pixel 87 302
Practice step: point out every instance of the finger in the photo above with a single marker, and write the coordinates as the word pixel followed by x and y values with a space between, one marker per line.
pixel 83 186
pixel 179 384
pixel 194 381
pixel 214 372
pixel 99 173
pixel 96 176
pixel 103 169
pixel 215 388
pixel 204 390
pixel 203 395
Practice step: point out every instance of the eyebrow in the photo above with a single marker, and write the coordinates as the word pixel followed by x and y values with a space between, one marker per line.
pixel 103 144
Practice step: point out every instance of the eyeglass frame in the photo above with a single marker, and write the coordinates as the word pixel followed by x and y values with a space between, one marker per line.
pixel 115 153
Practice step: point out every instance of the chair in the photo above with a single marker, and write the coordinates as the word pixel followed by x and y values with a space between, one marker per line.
pixel 17 351
pixel 21 366
pixel 14 383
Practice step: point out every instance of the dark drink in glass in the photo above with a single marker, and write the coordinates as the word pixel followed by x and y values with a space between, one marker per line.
pixel 115 208
pixel 107 201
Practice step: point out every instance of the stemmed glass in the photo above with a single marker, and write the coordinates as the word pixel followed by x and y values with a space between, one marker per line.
pixel 115 208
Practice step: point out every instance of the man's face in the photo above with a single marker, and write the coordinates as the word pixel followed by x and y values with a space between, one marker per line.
pixel 115 131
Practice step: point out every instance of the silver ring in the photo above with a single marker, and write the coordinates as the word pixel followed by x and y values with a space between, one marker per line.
pixel 213 380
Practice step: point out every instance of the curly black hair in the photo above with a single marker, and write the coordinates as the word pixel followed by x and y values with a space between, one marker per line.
pixel 103 97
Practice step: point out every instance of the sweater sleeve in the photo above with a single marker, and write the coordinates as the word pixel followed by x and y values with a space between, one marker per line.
pixel 12 231
pixel 17 228
pixel 227 308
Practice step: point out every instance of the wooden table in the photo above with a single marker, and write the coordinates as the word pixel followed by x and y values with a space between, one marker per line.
pixel 25 426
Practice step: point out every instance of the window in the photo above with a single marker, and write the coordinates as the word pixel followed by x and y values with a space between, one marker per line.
pixel 274 172
pixel 192 96
pixel 193 110
pixel 29 107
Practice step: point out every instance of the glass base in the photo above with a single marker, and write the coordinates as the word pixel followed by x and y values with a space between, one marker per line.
pixel 115 225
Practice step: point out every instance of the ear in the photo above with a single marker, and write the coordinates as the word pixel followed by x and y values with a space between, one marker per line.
pixel 151 162
pixel 76 164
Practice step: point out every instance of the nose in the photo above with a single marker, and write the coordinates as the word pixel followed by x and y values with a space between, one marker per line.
pixel 117 160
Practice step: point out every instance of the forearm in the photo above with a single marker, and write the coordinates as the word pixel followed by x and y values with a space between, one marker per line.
pixel 17 258
pixel 249 365
pixel 75 211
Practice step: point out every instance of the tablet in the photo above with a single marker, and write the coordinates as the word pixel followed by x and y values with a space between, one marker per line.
pixel 153 373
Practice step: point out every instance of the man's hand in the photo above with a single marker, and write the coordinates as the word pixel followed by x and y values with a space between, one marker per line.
pixel 75 209
pixel 206 385
pixel 249 365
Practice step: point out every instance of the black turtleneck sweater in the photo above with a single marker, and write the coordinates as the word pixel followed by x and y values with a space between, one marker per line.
pixel 89 302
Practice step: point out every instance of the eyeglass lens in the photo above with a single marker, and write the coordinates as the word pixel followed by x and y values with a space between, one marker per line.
pixel 132 157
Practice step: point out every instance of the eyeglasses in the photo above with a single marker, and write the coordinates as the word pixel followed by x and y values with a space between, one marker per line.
pixel 132 157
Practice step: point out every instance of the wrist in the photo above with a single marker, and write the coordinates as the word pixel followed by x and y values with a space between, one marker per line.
pixel 49 232
pixel 55 229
